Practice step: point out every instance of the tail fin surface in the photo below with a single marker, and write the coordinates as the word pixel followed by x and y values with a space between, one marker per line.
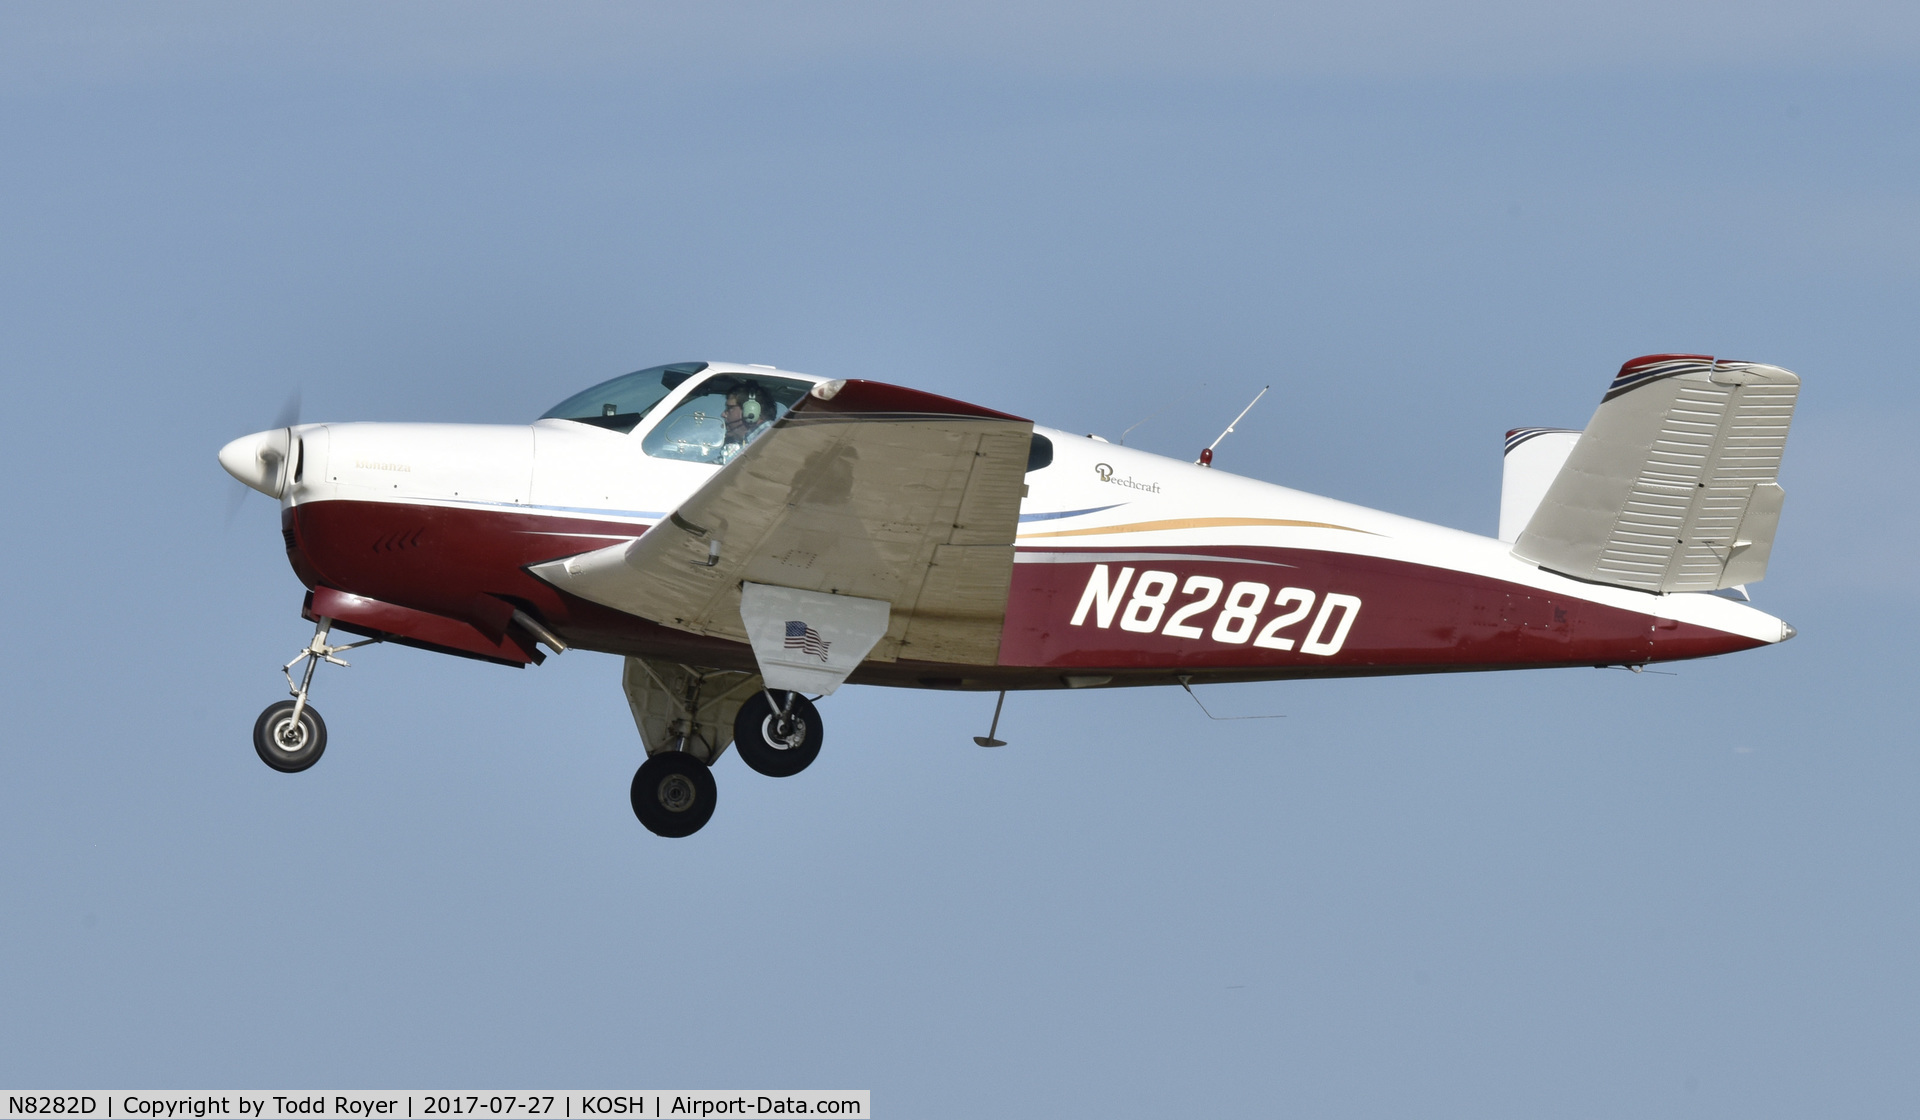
pixel 1533 457
pixel 1674 484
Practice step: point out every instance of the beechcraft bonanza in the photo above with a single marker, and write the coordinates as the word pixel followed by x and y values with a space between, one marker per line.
pixel 749 539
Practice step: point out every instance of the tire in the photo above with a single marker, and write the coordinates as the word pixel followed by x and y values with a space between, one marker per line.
pixel 285 749
pixel 767 747
pixel 673 794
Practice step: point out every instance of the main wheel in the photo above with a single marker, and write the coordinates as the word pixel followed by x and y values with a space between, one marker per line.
pixel 673 794
pixel 776 744
pixel 286 746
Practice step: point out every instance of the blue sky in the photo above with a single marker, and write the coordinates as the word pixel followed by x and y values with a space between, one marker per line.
pixel 1575 893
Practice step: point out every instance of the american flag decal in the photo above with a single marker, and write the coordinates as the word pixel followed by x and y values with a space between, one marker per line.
pixel 805 638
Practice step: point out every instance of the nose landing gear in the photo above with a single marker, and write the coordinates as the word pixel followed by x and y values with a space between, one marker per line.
pixel 290 736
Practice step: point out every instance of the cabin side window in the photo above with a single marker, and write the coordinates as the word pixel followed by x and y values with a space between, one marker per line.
pixel 722 416
pixel 1039 453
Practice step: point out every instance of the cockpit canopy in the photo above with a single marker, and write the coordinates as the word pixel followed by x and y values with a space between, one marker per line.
pixel 712 421
pixel 621 403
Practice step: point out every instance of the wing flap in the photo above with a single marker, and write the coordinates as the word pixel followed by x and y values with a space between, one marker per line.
pixel 961 607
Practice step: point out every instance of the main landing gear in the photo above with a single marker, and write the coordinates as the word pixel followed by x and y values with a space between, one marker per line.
pixel 673 794
pixel 290 736
pixel 687 717
pixel 777 733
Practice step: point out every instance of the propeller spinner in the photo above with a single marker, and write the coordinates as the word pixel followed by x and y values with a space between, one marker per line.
pixel 260 460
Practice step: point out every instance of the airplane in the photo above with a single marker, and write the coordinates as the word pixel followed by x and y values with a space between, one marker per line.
pixel 749 538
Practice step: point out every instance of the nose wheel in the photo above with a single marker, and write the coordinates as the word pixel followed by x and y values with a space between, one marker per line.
pixel 290 736
pixel 287 740
pixel 673 794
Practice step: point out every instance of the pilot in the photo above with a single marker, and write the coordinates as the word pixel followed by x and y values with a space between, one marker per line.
pixel 734 416
pixel 756 412
pixel 745 417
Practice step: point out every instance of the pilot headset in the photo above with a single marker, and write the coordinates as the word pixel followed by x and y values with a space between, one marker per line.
pixel 750 410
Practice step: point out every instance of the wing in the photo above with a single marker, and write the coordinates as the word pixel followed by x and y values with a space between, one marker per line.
pixel 863 490
pixel 1674 484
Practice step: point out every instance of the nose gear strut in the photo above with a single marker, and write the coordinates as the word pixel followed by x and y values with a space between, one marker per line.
pixel 290 737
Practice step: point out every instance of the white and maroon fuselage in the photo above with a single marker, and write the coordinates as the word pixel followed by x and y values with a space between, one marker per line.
pixel 1130 568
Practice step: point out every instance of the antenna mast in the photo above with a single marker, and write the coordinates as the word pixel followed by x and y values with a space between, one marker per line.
pixel 1206 456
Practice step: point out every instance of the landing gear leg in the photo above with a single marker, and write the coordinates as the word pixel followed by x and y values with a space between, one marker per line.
pixel 777 733
pixel 290 736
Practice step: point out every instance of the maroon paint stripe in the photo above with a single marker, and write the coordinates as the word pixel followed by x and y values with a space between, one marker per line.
pixel 1412 618
pixel 857 397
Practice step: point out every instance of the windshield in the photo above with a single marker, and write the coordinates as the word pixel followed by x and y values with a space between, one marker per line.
pixel 621 403
pixel 723 414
